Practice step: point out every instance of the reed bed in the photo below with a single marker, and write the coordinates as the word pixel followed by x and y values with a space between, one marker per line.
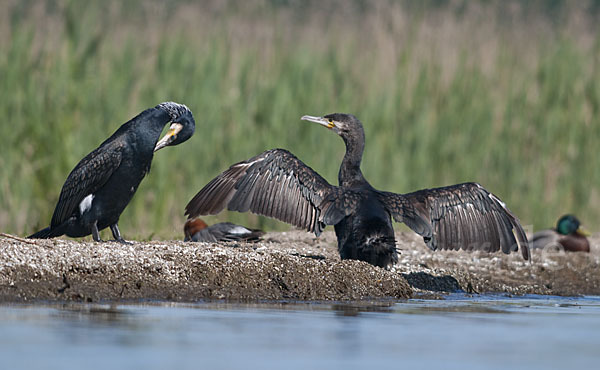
pixel 505 93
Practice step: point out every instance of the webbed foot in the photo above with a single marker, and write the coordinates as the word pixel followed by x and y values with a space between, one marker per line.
pixel 117 234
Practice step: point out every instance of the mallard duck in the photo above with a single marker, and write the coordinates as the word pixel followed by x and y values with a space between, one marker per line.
pixel 569 234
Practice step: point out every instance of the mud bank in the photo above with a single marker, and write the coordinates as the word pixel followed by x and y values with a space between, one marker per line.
pixel 291 265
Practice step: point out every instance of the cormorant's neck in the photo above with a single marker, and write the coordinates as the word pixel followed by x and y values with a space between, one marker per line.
pixel 149 125
pixel 350 173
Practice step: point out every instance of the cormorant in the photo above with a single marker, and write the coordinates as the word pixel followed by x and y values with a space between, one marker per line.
pixel 197 230
pixel 101 185
pixel 569 234
pixel 277 184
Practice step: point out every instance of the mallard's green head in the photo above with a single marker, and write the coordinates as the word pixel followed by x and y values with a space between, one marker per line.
pixel 569 224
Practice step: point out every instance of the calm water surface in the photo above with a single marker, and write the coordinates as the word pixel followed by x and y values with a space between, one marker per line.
pixel 532 332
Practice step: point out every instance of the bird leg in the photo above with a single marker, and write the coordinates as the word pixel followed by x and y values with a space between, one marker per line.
pixel 117 234
pixel 95 232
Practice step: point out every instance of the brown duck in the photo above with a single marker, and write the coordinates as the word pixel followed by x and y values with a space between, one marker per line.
pixel 197 230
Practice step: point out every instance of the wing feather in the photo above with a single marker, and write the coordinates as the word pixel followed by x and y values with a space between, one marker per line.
pixel 464 216
pixel 275 184
pixel 89 175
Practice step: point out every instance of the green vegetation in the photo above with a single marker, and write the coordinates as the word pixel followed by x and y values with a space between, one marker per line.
pixel 505 93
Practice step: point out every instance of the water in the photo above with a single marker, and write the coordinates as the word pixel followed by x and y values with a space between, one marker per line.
pixel 497 332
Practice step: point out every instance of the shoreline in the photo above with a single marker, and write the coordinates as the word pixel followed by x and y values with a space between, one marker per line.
pixel 292 265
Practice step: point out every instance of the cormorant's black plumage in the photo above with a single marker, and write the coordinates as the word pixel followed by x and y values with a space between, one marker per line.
pixel 277 184
pixel 101 185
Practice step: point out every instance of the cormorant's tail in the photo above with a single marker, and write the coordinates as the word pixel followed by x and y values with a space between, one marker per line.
pixel 44 234
pixel 377 250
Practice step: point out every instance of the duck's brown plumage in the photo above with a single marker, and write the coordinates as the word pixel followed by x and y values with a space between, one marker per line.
pixel 197 230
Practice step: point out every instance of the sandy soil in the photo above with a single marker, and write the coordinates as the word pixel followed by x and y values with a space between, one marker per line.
pixel 290 266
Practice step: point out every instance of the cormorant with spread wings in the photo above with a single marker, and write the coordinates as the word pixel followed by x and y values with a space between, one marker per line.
pixel 277 184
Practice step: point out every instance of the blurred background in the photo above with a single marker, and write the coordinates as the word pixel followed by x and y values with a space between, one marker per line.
pixel 505 93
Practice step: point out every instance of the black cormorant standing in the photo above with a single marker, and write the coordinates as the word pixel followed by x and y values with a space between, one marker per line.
pixel 101 185
pixel 197 230
pixel 277 184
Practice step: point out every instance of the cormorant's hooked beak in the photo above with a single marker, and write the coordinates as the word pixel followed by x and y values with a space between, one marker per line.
pixel 582 231
pixel 320 120
pixel 169 136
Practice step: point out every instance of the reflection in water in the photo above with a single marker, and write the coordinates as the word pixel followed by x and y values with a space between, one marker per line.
pixel 459 332
pixel 94 313
pixel 356 308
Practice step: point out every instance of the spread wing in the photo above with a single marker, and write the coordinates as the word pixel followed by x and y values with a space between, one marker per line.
pixel 463 216
pixel 86 178
pixel 275 184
